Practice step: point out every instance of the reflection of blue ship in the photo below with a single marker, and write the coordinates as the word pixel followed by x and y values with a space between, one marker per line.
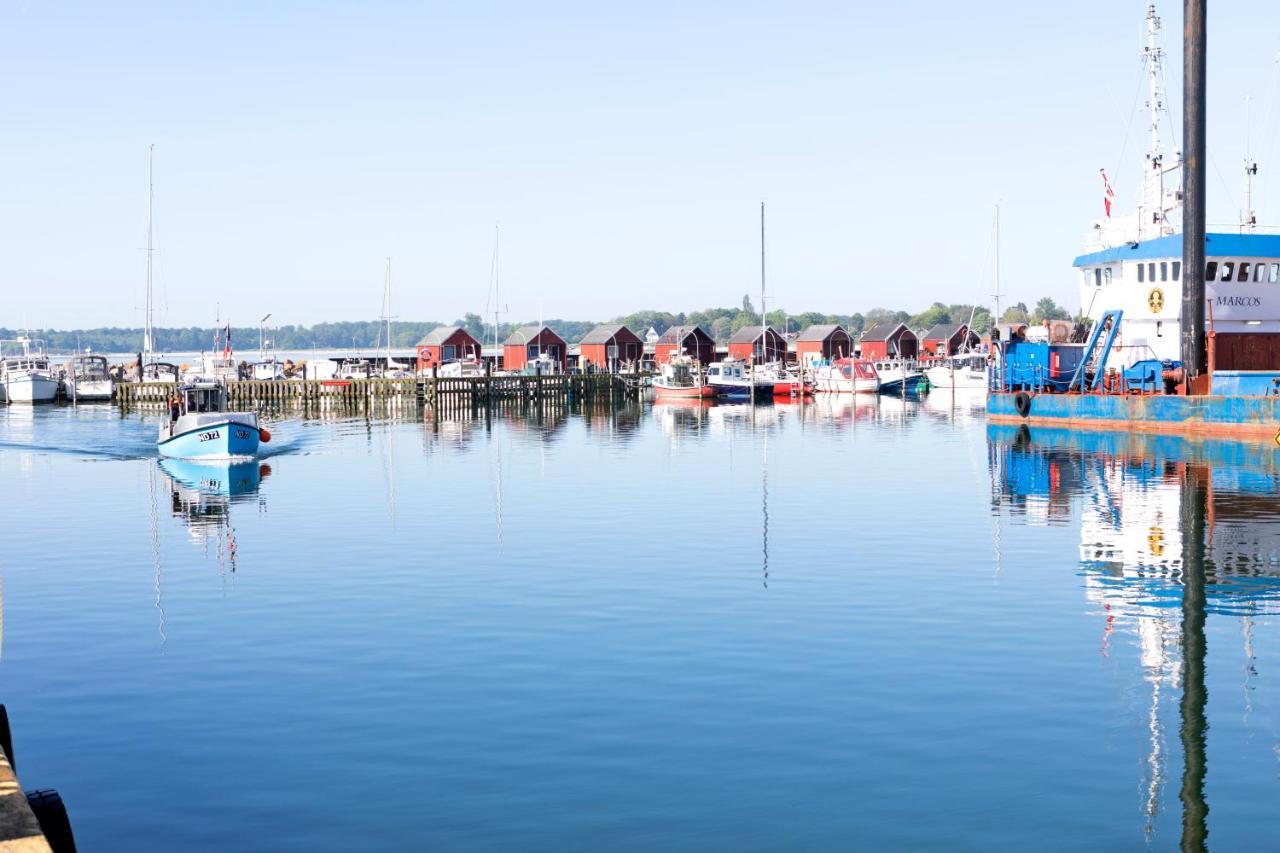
pixel 216 478
pixel 1129 491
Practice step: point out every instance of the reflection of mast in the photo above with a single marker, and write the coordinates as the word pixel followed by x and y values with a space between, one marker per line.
pixel 1195 695
pixel 155 552
pixel 765 508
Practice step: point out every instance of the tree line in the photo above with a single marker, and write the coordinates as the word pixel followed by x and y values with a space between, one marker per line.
pixel 721 323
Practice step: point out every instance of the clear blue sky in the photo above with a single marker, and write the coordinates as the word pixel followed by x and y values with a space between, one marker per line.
pixel 623 149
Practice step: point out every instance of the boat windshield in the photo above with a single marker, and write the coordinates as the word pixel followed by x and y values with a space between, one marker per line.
pixel 204 400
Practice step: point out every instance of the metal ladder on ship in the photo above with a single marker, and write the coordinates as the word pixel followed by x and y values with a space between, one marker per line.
pixel 1092 353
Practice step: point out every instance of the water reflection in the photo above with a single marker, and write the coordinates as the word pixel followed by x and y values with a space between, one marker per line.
pixel 202 494
pixel 1172 530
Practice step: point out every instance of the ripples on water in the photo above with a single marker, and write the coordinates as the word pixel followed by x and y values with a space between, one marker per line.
pixel 874 626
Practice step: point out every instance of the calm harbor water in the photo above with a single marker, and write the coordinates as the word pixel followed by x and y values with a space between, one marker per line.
pixel 887 627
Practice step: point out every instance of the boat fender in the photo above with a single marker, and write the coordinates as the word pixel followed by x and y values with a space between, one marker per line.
pixel 264 434
pixel 51 814
pixel 1022 403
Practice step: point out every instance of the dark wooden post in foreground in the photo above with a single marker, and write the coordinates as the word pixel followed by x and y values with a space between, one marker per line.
pixel 1193 189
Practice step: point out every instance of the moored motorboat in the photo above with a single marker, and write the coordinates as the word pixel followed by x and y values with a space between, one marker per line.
pixel 200 426
pixel 847 376
pixel 24 372
pixel 733 379
pixel 88 379
pixel 900 377
pixel 680 379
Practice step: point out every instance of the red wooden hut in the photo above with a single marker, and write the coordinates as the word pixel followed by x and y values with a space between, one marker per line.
pixel 527 342
pixel 889 340
pixel 823 343
pixel 445 344
pixel 761 344
pixel 947 339
pixel 690 340
pixel 609 347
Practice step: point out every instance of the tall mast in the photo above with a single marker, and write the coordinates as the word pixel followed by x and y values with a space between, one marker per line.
pixel 996 295
pixel 147 341
pixel 493 271
pixel 1151 213
pixel 763 322
pixel 1248 218
pixel 386 312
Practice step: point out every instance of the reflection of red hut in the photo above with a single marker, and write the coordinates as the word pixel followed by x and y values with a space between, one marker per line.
pixel 947 339
pixel 528 342
pixel 609 347
pixel 888 340
pixel 759 344
pixel 823 343
pixel 445 344
pixel 690 340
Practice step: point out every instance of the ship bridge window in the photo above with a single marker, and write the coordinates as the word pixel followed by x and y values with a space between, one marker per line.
pixel 1211 271
pixel 1097 278
pixel 1259 272
pixel 1164 270
pixel 1151 270
pixel 1177 270
pixel 1141 273
pixel 1244 272
pixel 1275 273
pixel 1228 270
pixel 1106 275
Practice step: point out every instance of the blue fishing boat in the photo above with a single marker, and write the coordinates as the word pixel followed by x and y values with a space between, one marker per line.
pixel 199 426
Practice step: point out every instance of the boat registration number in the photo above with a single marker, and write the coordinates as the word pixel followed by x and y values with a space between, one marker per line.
pixel 243 433
pixel 210 435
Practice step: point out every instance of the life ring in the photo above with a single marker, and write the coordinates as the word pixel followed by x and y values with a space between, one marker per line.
pixel 1022 403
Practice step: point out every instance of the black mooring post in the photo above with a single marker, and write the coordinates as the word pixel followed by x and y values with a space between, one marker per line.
pixel 1193 181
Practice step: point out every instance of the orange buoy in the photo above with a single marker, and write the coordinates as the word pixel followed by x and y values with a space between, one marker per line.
pixel 265 435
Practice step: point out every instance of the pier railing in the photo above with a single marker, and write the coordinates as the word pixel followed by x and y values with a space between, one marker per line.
pixel 431 391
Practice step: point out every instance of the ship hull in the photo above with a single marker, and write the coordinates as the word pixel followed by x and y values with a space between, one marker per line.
pixel 1204 415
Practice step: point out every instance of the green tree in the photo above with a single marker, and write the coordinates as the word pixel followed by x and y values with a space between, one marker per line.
pixel 1016 313
pixel 1047 309
pixel 931 316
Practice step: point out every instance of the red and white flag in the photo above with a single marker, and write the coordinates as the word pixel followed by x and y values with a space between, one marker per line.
pixel 1107 195
pixel 226 349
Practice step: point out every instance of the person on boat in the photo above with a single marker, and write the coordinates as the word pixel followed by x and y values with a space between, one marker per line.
pixel 175 407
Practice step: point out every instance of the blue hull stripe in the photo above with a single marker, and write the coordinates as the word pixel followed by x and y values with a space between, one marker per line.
pixel 217 440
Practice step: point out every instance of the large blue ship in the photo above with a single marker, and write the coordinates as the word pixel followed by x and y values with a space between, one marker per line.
pixel 1182 322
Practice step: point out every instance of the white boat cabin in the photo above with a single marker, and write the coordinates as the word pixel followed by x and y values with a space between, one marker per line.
pixel 1144 280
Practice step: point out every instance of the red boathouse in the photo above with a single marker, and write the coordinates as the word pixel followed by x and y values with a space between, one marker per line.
pixel 446 344
pixel 527 342
pixel 888 340
pixel 609 347
pixel 690 340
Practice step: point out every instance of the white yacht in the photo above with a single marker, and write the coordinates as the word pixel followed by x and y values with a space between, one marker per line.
pixel 24 372
pixel 87 379
pixel 847 376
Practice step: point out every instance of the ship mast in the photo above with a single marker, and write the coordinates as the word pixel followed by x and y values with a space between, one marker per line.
pixel 1152 212
pixel 1248 217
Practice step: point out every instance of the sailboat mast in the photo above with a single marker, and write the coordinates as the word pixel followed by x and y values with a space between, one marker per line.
pixel 762 282
pixel 386 312
pixel 147 342
pixel 997 265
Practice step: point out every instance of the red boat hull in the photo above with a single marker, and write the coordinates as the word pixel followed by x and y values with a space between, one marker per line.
pixel 701 392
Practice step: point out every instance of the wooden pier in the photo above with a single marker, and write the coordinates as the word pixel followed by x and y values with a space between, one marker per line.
pixel 432 391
